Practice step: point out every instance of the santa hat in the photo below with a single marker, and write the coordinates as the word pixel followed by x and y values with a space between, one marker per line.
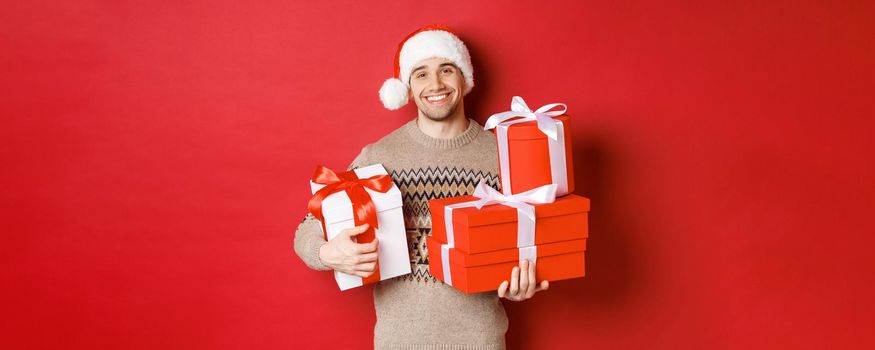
pixel 433 40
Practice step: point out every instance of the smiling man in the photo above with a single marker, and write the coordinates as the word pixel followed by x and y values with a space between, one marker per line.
pixel 440 153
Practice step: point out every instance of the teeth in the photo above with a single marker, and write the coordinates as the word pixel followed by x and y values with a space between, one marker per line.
pixel 436 98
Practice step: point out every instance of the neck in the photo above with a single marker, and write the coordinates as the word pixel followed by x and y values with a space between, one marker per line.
pixel 448 128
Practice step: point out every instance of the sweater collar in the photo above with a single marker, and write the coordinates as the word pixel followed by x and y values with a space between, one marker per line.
pixel 460 140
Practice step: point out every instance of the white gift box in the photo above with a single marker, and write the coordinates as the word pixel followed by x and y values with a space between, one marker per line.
pixel 393 259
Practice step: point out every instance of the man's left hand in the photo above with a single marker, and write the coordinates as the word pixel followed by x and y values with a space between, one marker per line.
pixel 522 283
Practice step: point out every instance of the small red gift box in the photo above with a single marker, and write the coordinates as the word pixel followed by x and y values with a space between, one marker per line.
pixel 534 147
pixel 494 227
pixel 475 273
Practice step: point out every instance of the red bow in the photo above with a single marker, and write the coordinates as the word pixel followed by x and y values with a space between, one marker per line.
pixel 363 207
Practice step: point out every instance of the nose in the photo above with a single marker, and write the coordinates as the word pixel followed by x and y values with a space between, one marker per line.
pixel 436 82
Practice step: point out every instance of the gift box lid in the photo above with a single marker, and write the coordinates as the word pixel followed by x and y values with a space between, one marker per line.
pixel 337 206
pixel 458 257
pixel 497 213
pixel 529 130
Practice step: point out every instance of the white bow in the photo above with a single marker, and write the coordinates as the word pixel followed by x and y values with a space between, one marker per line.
pixel 543 115
pixel 520 201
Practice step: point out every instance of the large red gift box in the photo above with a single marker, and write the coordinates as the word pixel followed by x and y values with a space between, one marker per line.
pixel 534 148
pixel 484 244
pixel 494 227
pixel 475 273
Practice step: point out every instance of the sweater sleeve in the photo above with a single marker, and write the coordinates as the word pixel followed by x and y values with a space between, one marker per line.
pixel 309 237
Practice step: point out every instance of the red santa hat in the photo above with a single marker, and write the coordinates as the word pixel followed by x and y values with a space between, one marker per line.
pixel 433 40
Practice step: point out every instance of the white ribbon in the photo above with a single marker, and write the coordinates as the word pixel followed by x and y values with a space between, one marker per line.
pixel 554 130
pixel 525 219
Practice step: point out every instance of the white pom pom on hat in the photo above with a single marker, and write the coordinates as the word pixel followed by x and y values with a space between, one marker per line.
pixel 393 93
pixel 433 40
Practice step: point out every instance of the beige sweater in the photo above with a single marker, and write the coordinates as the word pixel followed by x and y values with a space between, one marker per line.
pixel 418 311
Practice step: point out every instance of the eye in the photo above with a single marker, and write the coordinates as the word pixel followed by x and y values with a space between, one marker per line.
pixel 448 71
pixel 420 75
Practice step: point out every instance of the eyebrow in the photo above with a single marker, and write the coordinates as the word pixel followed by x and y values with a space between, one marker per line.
pixel 440 66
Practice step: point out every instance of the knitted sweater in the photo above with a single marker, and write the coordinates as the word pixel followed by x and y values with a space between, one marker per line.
pixel 418 311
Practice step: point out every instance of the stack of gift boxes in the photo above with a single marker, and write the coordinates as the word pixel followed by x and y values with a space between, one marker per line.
pixel 477 240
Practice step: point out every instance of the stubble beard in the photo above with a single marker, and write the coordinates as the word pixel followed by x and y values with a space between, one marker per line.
pixel 436 114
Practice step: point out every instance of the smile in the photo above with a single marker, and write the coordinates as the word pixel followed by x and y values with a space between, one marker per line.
pixel 437 99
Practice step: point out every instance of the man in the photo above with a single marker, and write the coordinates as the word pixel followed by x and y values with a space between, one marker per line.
pixel 441 153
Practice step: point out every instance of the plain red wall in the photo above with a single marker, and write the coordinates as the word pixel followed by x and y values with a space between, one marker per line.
pixel 156 156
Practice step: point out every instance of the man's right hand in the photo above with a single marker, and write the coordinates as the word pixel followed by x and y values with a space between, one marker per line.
pixel 343 254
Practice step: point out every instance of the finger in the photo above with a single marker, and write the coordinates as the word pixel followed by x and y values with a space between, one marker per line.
pixel 532 282
pixel 356 230
pixel 524 277
pixel 363 248
pixel 363 274
pixel 502 289
pixel 366 267
pixel 514 281
pixel 543 286
pixel 352 272
pixel 368 257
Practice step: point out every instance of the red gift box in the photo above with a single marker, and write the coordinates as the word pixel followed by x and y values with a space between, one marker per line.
pixel 534 147
pixel 494 227
pixel 477 240
pixel 475 273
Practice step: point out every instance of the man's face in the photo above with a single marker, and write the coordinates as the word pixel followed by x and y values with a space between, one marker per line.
pixel 436 85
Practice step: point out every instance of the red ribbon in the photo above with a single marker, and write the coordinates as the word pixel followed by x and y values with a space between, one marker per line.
pixel 363 208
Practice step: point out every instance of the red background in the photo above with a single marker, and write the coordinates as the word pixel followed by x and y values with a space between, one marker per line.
pixel 156 154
